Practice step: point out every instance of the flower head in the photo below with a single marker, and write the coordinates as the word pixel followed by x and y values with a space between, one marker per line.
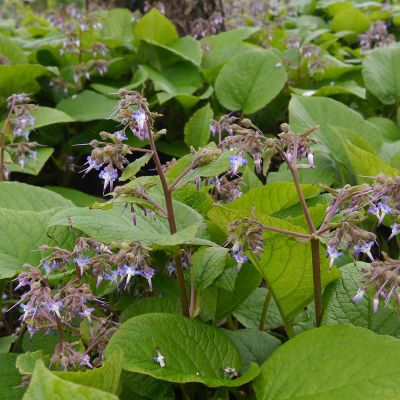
pixel 236 162
pixel 109 174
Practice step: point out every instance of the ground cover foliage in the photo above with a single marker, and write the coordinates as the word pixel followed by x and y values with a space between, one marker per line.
pixel 200 211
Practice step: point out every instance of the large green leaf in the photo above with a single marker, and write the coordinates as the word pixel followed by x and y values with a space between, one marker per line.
pixel 33 166
pixel 11 51
pixel 287 267
pixel 381 74
pixel 20 78
pixel 330 363
pixel 10 379
pixel 206 265
pixel 78 198
pixel 197 129
pixel 250 82
pixel 116 224
pixel 48 116
pixel 249 312
pixel 193 351
pixel 350 19
pixel 105 378
pixel 253 345
pixel 340 308
pixel 47 386
pixel 118 25
pixel 155 26
pixel 364 164
pixel 87 106
pixel 20 196
pixel 307 112
pixel 22 232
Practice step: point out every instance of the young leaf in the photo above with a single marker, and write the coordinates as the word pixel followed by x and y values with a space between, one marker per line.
pixel 340 309
pixel 197 129
pixel 45 385
pixel 330 363
pixel 134 167
pixel 206 265
pixel 157 27
pixel 381 74
pixel 10 379
pixel 250 82
pixel 45 116
pixel 192 351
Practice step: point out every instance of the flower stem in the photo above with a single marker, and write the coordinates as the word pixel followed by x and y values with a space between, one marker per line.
pixel 2 142
pixel 286 232
pixel 171 221
pixel 314 240
pixel 263 318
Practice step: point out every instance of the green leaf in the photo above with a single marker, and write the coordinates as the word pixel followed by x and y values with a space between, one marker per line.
pixel 116 224
pixel 193 351
pixel 78 198
pixel 26 361
pixel 155 26
pixel 206 265
pixel 364 164
pixel 5 343
pixel 340 308
pixel 307 112
pixel 33 167
pixel 381 73
pixel 88 106
pixel 350 19
pixel 20 78
pixel 47 386
pixel 251 82
pixel 105 378
pixel 199 200
pixel 197 129
pixel 22 232
pixel 253 345
pixel 330 363
pixel 151 305
pixel 45 116
pixel 134 167
pixel 10 379
pixel 249 312
pixel 118 25
pixel 287 267
pixel 12 51
pixel 20 196
pixel 265 200
pixel 342 87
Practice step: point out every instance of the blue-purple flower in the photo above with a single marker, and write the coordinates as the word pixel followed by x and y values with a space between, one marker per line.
pixel 82 262
pixel 120 135
pixel 364 248
pixel 359 295
pixel 109 174
pixel 333 254
pixel 381 209
pixel 236 162
pixel 395 231
pixel 91 164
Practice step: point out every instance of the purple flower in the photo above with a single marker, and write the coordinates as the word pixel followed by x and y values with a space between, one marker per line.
pixel 82 263
pixel 395 230
pixel 91 164
pixel 120 135
pixel 128 272
pixel 109 175
pixel 27 309
pixel 365 248
pixel 86 361
pixel 236 162
pixel 257 162
pixel 113 276
pixel 171 268
pixel 55 308
pixel 376 304
pixel 148 273
pixel 359 295
pixel 31 330
pixel 381 210
pixel 86 313
pixel 140 118
pixel 333 253
pixel 240 258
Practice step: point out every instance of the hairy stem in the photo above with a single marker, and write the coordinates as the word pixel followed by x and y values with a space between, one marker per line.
pixel 171 221
pixel 314 240
pixel 192 165
pixel 2 142
pixel 263 318
pixel 286 232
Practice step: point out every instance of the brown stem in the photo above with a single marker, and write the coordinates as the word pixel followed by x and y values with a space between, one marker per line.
pixel 60 329
pixel 171 221
pixel 286 232
pixel 192 165
pixel 2 142
pixel 314 240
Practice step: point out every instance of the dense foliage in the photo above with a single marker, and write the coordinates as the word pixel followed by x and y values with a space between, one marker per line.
pixel 210 216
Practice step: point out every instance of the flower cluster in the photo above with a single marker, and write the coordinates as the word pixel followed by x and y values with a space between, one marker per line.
pixel 225 188
pixel 376 36
pixel 22 123
pixel 383 277
pixel 245 235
